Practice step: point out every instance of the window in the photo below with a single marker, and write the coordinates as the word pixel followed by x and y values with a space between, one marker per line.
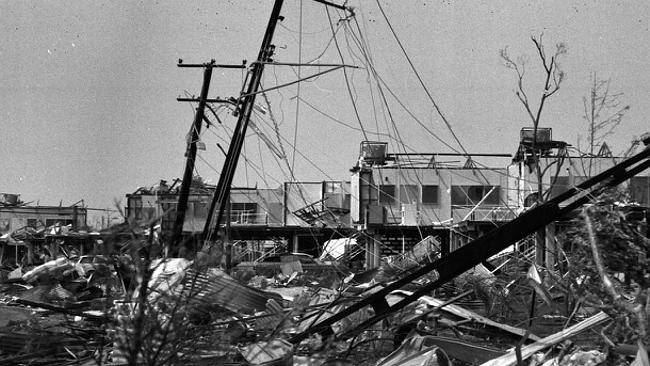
pixel 471 195
pixel 333 195
pixel 409 194
pixel 137 209
pixel 387 194
pixel 430 195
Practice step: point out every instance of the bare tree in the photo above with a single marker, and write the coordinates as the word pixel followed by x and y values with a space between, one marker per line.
pixel 603 112
pixel 553 78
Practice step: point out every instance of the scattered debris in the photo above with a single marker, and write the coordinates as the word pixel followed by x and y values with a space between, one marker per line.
pixel 525 352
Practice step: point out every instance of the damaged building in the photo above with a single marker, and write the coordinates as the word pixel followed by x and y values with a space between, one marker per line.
pixel 392 200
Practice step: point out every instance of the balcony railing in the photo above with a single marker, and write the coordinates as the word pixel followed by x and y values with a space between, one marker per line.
pixel 249 218
pixel 497 213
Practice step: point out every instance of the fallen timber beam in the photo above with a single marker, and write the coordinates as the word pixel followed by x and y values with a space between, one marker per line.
pixel 62 310
pixel 477 251
pixel 510 358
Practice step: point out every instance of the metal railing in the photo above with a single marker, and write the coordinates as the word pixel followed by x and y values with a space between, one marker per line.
pixel 496 213
pixel 249 218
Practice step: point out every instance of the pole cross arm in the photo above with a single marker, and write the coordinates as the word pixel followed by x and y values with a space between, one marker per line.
pixel 211 64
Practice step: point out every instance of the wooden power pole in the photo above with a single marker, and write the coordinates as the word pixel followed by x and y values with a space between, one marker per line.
pixel 184 192
pixel 245 108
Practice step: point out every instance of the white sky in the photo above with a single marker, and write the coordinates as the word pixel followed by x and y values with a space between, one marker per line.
pixel 88 88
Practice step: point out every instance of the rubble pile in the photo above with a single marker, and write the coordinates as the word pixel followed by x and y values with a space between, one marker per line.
pixel 125 309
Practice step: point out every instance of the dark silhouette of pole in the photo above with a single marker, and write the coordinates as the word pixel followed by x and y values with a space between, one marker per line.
pixel 222 192
pixel 177 234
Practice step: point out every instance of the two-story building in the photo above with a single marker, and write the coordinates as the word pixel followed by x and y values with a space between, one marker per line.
pixel 400 198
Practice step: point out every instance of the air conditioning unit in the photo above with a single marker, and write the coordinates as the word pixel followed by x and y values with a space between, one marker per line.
pixel 373 152
pixel 544 134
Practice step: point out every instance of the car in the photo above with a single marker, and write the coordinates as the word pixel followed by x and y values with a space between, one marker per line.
pixel 86 265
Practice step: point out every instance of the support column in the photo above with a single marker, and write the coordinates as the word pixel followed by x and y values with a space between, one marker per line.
pixel 540 247
pixel 294 243
pixel 551 247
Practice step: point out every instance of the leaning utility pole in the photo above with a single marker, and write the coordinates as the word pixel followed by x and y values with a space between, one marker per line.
pixel 244 109
pixel 177 234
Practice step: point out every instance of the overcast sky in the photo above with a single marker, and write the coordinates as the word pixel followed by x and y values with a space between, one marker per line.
pixel 88 88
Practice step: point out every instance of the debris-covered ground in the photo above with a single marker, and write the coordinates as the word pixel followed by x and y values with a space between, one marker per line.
pixel 134 308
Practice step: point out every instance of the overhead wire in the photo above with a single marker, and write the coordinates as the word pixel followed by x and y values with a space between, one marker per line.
pixel 345 74
pixel 424 87
pixel 353 97
pixel 348 86
pixel 368 62
pixel 465 153
pixel 341 122
pixel 295 127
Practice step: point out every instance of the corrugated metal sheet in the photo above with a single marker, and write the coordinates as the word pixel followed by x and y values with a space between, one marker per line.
pixel 205 288
pixel 215 287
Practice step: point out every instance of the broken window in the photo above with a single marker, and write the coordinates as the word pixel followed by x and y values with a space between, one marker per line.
pixel 333 187
pixel 136 207
pixel 430 195
pixel 243 206
pixel 201 210
pixel 471 195
pixel 243 212
pixel 387 194
pixel 333 195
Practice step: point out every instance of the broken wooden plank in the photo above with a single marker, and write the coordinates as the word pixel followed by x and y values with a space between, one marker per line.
pixel 510 358
pixel 467 314
pixel 463 350
pixel 416 351
pixel 60 309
